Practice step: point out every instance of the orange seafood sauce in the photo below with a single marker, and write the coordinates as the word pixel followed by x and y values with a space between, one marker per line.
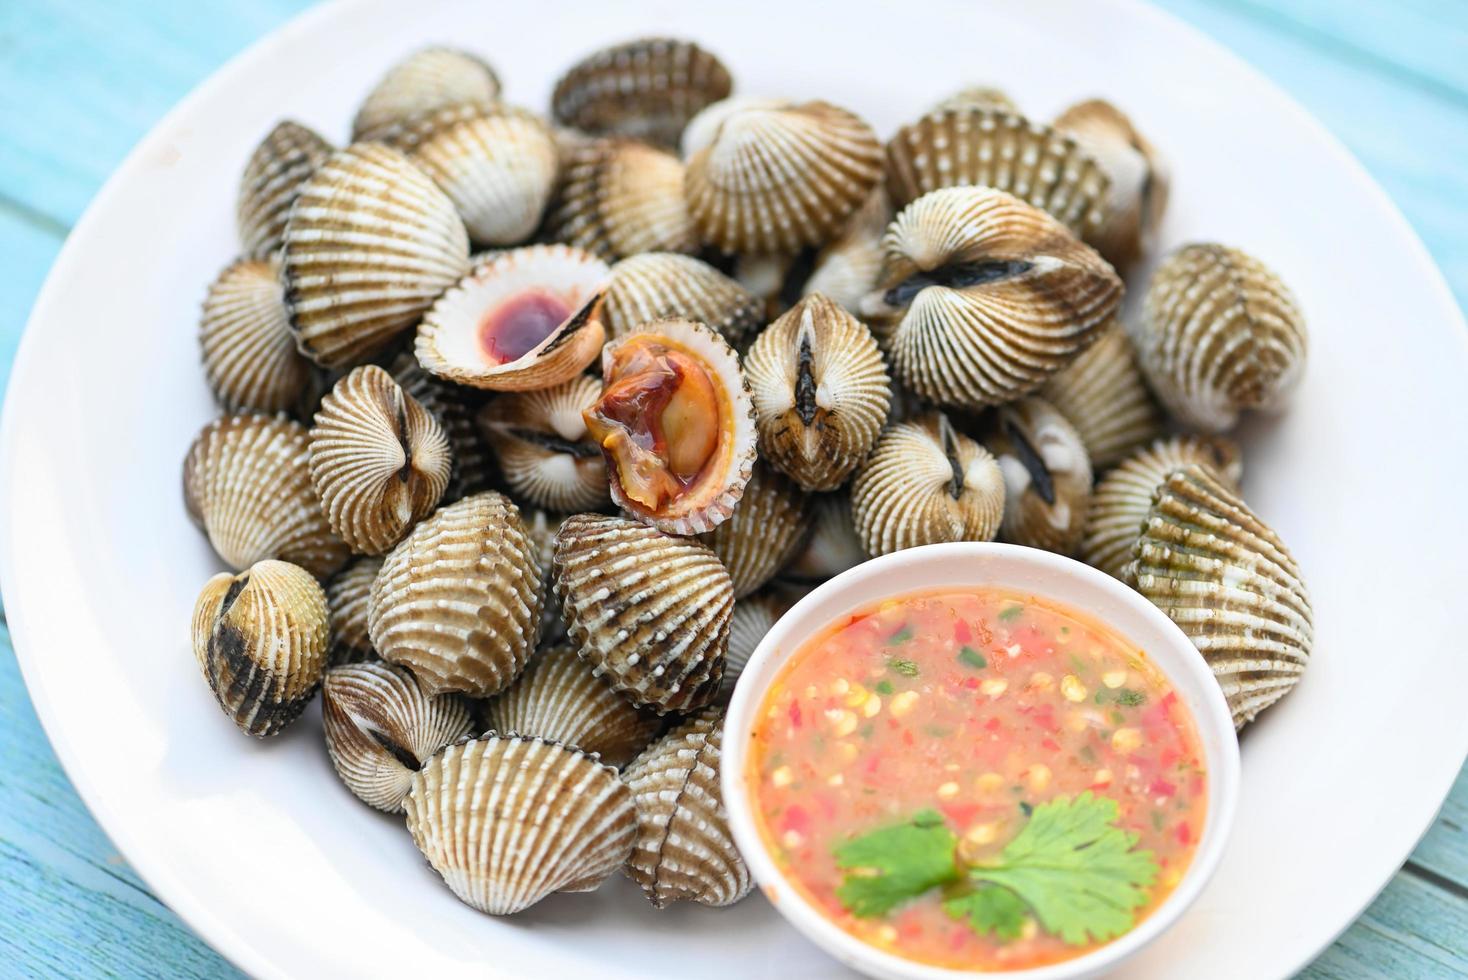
pixel 981 704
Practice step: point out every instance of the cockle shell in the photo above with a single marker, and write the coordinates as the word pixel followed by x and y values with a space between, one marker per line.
pixel 926 483
pixel 685 850
pixel 540 440
pixel 1121 499
pixel 765 531
pixel 370 243
pixel 655 285
pixel 1219 334
pixel 559 698
pixel 753 617
pixel 260 638
pixel 776 280
pixel 846 270
pixel 1103 395
pixel 458 602
pixel 649 611
pixel 507 820
pixel 347 595
pixel 247 483
pixel 618 198
pixel 648 88
pixel 250 356
pixel 1047 476
pixel 833 545
pixel 821 392
pixel 983 297
pixel 379 460
pixel 424 81
pixel 287 155
pixel 472 471
pixel 543 528
pixel 977 97
pixel 381 728
pixel 498 164
pixel 1219 572
pixel 542 302
pixel 775 177
pixel 977 146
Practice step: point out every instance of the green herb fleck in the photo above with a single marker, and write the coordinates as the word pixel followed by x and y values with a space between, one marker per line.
pixel 1025 808
pixel 990 908
pixel 1157 819
pixel 884 687
pixel 907 668
pixel 890 866
pixel 1130 698
pixel 1087 754
pixel 1010 613
pixel 900 637
pixel 1102 696
pixel 972 657
pixel 1116 717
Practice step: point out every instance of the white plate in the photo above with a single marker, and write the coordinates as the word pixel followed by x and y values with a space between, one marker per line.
pixel 261 849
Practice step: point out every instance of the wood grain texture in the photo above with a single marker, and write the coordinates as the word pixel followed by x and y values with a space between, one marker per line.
pixel 82 80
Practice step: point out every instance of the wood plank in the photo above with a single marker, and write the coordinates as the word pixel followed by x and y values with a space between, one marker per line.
pixel 29 243
pixel 1443 853
pixel 1392 940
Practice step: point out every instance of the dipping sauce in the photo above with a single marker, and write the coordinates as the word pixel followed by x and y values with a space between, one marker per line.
pixel 977 779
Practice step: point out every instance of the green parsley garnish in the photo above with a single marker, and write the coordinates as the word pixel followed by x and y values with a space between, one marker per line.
pixel 972 657
pixel 900 637
pixel 907 668
pixel 1009 613
pixel 884 687
pixel 1130 698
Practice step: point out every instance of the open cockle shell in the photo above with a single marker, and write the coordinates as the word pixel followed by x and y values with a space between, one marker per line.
pixel 1103 395
pixel 821 392
pixel 508 820
pixel 983 297
pixel 926 483
pixel 250 356
pixel 833 545
pixel 648 88
pixel 619 198
pixel 260 638
pixel 1219 572
pixel 381 728
pixel 247 483
pixel 685 850
pixel 656 285
pixel 523 319
pixel 458 602
pixel 370 243
pixel 777 176
pixel 1219 334
pixel 287 155
pixel 426 80
pixel 559 698
pixel 348 593
pixel 544 452
pixel 648 611
pixel 676 424
pixel 765 531
pixel 1047 476
pixel 379 460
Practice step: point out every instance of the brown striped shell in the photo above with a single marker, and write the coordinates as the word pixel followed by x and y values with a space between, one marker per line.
pixel 1219 334
pixel 287 155
pixel 473 470
pixel 540 440
pixel 926 483
pixel 847 268
pixel 766 529
pixel 542 528
pixel 821 392
pixel 247 483
pixel 655 285
pixel 983 297
pixel 370 243
pixel 379 460
pixel 1047 476
pixel 648 611
pixel 684 850
pixel 381 728
pixel 260 638
pixel 618 198
pixel 458 602
pixel 1103 395
pixel 833 545
pixel 508 820
pixel 250 357
pixel 426 80
pixel 753 617
pixel 977 97
pixel 347 595
pixel 1219 572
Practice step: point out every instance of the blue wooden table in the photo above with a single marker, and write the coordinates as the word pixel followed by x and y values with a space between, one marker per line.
pixel 82 80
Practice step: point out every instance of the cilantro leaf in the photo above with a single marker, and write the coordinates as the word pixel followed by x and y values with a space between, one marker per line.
pixel 972 657
pixel 907 668
pixel 990 907
pixel 886 867
pixel 1077 870
pixel 900 637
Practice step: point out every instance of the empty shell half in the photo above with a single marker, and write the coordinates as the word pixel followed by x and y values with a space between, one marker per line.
pixel 618 198
pixel 543 448
pixel 424 81
pixel 1103 395
pixel 287 155
pixel 1047 476
pixel 765 531
pixel 347 596
pixel 250 357
pixel 655 285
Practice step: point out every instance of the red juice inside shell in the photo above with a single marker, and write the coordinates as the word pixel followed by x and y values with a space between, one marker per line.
pixel 515 327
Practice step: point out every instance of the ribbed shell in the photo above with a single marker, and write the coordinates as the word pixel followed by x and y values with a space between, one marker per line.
pixel 846 270
pixel 347 595
pixel 507 821
pixel 648 88
pixel 381 728
pixel 472 470
pixel 544 452
pixel 764 532
pixel 833 546
pixel 1224 576
pixel 775 178
pixel 498 164
pixel 559 698
pixel 684 848
pixel 618 198
pixel 458 602
pixel 753 617
pixel 424 81
pixel 260 638
pixel 247 483
pixel 648 610
pixel 1219 334
pixel 379 460
pixel 1047 476
pixel 821 392
pixel 287 155
pixel 1121 499
pixel 978 146
pixel 542 527
pixel 977 97
pixel 926 483
pixel 370 243
pixel 655 285
pixel 1103 395
pixel 250 356
pixel 985 297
